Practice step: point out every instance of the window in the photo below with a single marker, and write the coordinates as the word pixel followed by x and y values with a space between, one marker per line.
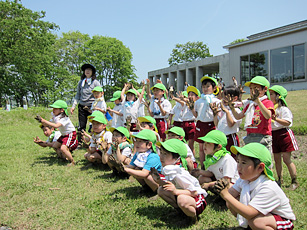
pixel 298 62
pixel 244 69
pixel 281 65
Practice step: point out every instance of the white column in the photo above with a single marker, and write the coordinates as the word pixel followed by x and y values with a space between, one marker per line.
pixel 180 80
pixel 189 76
pixel 199 75
pixel 164 79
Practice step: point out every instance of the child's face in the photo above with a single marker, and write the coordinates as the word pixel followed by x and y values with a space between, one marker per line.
pixel 117 136
pixel 207 88
pixel 246 168
pixel 145 125
pixel 254 86
pixel 173 136
pixel 166 158
pixel 141 145
pixel 118 101
pixel 98 127
pixel 47 131
pixel 97 94
pixel 273 96
pixel 88 72
pixel 57 111
pixel 209 148
pixel 158 93
pixel 192 96
pixel 130 97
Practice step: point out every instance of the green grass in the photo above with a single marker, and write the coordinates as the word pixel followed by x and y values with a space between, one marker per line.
pixel 38 191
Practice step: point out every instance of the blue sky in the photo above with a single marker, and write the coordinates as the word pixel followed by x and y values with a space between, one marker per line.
pixel 151 29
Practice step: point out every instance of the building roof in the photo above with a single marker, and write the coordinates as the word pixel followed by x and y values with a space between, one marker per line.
pixel 302 25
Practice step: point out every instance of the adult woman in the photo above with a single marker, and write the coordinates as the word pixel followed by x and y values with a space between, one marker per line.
pixel 84 95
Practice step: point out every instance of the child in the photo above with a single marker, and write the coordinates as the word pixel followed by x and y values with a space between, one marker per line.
pixel 117 111
pixel 67 142
pixel 159 108
pixel 218 162
pixel 120 151
pixel 181 190
pixel 99 136
pixel 144 159
pixel 203 113
pixel 283 138
pixel 224 119
pixel 141 112
pixel 175 114
pixel 52 135
pixel 255 199
pixel 131 105
pixel 257 112
pixel 178 133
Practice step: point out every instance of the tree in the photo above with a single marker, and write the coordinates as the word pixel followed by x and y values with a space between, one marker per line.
pixel 238 41
pixel 191 51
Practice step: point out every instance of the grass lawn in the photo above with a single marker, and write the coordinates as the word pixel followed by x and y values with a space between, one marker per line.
pixel 38 191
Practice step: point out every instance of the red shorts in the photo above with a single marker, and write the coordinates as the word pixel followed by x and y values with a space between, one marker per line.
pixel 283 140
pixel 69 140
pixel 202 128
pixel 162 127
pixel 189 129
pixel 232 139
pixel 177 123
pixel 283 223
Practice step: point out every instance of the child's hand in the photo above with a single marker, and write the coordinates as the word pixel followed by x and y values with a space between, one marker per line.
pixel 159 81
pixel 196 172
pixel 159 102
pixel 223 108
pixel 146 103
pixel 37 140
pixel 38 118
pixel 190 103
pixel 214 107
pixel 115 143
pixel 86 108
pixel 180 95
pixel 138 125
pixel 128 120
pixel 229 101
pixel 129 86
pixel 169 186
pixel 143 83
pixel 147 81
pixel 274 117
pixel 220 185
pixel 102 145
pixel 254 94
pixel 155 175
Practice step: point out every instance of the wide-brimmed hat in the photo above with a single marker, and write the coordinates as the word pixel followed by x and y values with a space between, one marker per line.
pixel 178 131
pixel 97 89
pixel 148 119
pixel 116 95
pixel 122 130
pixel 216 137
pixel 97 116
pixel 209 78
pixel 132 91
pixel 86 66
pixel 194 90
pixel 281 91
pixel 148 135
pixel 60 104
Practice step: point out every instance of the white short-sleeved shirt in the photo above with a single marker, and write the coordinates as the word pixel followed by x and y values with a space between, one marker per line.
pixel 182 179
pixel 131 110
pixel 268 197
pixel 56 136
pixel 106 135
pixel 225 167
pixel 204 112
pixel 190 153
pixel 66 127
pixel 166 105
pixel 141 112
pixel 99 103
pixel 117 120
pixel 177 112
pixel 125 152
pixel 284 113
pixel 187 114
pixel 223 125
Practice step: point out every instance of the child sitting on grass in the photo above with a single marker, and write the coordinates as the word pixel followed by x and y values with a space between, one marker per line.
pixel 67 141
pixel 218 162
pixel 144 159
pixel 179 188
pixel 52 135
pixel 120 151
pixel 99 137
pixel 178 133
pixel 256 199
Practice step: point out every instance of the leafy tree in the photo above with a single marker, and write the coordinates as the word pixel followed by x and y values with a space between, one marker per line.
pixel 188 52
pixel 238 41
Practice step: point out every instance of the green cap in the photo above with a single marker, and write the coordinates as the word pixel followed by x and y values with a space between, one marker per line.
pixel 148 135
pixel 210 78
pixel 178 131
pixel 122 130
pixel 132 91
pixel 97 116
pixel 176 146
pixel 281 91
pixel 160 86
pixel 258 151
pixel 194 90
pixel 140 91
pixel 185 94
pixel 116 95
pixel 60 104
pixel 148 119
pixel 97 89
pixel 260 80
pixel 216 137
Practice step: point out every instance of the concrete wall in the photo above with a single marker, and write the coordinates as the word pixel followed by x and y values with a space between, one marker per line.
pixel 290 39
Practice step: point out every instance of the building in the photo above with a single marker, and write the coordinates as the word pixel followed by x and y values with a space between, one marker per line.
pixel 278 54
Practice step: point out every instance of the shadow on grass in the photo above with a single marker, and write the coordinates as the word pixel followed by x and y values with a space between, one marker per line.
pixel 216 202
pixel 133 192
pixel 50 160
pixel 86 165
